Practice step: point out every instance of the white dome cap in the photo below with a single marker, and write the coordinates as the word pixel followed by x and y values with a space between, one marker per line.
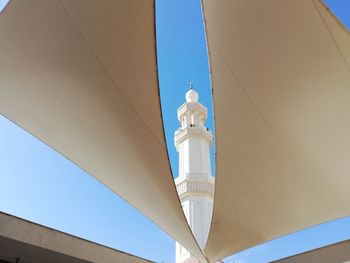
pixel 192 95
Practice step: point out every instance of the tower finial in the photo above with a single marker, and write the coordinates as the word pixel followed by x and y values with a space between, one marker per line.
pixel 191 95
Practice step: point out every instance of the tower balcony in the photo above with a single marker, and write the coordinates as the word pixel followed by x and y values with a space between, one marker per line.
pixel 189 187
pixel 184 133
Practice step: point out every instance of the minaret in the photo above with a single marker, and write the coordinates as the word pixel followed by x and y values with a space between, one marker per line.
pixel 195 184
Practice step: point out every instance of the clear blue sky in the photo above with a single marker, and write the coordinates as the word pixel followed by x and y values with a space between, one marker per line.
pixel 341 9
pixel 40 185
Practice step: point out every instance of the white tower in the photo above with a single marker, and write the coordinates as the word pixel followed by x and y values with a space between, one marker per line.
pixel 195 184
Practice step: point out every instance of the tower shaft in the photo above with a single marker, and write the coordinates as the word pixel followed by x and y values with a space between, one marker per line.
pixel 195 184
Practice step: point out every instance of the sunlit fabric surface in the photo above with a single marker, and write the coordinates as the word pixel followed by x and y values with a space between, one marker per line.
pixel 81 75
pixel 281 91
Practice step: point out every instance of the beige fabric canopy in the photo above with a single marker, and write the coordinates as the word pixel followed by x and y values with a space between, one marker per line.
pixel 281 91
pixel 81 75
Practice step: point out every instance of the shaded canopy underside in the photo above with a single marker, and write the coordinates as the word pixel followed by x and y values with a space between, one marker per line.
pixel 281 90
pixel 81 75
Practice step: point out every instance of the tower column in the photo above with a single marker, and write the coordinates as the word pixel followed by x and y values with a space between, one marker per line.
pixel 195 184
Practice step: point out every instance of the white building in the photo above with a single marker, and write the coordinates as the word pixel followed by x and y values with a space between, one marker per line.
pixel 195 184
